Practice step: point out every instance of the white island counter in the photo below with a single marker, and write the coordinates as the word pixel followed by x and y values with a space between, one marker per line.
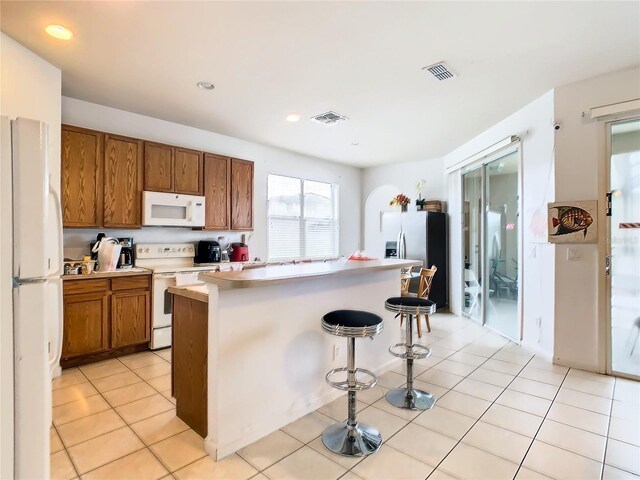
pixel 267 355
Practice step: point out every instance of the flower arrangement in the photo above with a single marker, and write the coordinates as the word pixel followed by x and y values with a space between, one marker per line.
pixel 401 200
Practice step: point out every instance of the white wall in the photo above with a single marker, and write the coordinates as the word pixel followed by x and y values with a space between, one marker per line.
pixel 380 184
pixel 267 160
pixel 30 88
pixel 533 124
pixel 580 327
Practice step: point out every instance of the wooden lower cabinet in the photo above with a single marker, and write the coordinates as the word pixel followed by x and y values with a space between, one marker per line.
pixel 102 320
pixel 129 318
pixel 86 324
pixel 189 353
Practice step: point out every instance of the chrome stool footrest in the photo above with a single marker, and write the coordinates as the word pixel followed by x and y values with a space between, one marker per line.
pixel 355 386
pixel 415 351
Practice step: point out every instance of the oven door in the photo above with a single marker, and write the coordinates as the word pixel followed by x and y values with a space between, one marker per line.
pixel 162 310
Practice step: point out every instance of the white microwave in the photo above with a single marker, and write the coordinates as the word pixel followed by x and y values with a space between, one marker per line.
pixel 172 210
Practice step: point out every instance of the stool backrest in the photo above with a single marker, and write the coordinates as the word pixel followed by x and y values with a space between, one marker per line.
pixel 426 278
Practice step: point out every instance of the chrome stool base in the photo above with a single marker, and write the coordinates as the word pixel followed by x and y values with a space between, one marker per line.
pixel 357 441
pixel 410 399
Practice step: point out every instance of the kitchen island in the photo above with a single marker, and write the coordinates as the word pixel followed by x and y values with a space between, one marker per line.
pixel 266 353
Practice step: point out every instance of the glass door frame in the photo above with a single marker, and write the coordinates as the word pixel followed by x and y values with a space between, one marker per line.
pixel 481 164
pixel 476 166
pixel 604 245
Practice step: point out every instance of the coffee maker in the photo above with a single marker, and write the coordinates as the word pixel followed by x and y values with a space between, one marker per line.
pixel 126 253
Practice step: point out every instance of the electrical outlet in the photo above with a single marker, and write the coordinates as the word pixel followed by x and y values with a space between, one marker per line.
pixel 336 351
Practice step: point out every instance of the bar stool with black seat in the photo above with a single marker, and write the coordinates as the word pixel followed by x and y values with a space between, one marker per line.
pixel 408 397
pixel 351 438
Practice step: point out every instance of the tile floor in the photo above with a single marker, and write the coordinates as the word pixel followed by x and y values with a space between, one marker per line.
pixel 501 413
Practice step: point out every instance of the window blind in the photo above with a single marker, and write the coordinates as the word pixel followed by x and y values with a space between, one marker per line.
pixel 302 218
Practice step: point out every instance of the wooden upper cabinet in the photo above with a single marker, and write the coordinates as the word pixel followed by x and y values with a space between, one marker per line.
pixel 216 191
pixel 188 171
pixel 241 195
pixel 122 181
pixel 81 177
pixel 158 167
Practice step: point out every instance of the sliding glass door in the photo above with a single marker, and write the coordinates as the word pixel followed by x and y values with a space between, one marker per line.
pixel 472 243
pixel 491 242
pixel 501 245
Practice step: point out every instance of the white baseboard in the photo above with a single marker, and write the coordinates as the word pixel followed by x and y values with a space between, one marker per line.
pixel 220 452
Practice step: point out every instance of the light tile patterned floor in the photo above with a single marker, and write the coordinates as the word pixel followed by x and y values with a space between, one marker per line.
pixel 501 414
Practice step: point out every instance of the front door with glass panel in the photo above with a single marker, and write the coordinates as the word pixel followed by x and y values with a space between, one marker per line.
pixel 491 241
pixel 624 247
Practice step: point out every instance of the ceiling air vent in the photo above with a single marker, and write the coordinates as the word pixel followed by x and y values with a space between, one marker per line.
pixel 440 70
pixel 329 118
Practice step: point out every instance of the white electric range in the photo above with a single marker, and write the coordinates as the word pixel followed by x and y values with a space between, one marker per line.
pixel 171 264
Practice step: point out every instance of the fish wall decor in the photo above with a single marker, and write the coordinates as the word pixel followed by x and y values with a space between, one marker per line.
pixel 572 222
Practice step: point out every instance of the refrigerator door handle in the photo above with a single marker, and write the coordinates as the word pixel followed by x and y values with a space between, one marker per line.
pixel 59 246
pixel 402 245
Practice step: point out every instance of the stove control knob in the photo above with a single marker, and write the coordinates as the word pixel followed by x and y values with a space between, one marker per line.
pixel 146 250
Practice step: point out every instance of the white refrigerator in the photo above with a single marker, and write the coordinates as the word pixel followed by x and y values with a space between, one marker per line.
pixel 36 249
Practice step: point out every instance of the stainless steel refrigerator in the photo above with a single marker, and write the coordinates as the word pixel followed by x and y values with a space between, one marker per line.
pixel 421 236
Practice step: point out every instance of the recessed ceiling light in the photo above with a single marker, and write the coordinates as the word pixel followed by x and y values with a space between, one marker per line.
pixel 293 117
pixel 58 31
pixel 206 85
pixel 355 144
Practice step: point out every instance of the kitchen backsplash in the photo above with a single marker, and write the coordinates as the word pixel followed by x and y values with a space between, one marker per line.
pixel 76 241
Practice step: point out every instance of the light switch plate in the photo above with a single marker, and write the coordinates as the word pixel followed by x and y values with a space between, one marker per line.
pixel 573 255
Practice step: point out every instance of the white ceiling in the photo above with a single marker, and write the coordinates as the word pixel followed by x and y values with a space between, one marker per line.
pixel 360 59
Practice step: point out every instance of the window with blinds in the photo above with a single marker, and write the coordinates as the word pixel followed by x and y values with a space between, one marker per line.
pixel 302 217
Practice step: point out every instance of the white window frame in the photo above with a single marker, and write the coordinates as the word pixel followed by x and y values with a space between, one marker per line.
pixel 302 221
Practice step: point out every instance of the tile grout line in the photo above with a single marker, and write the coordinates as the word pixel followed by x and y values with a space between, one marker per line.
pixel 407 421
pixel 348 470
pixel 542 423
pixel 606 442
pixel 448 390
pixel 459 441
pixel 127 425
pixel 146 447
pixel 64 448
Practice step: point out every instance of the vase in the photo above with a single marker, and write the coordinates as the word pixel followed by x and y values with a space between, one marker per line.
pixel 403 208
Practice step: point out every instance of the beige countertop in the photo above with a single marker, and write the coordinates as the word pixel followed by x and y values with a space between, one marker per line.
pixel 128 272
pixel 199 292
pixel 276 274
